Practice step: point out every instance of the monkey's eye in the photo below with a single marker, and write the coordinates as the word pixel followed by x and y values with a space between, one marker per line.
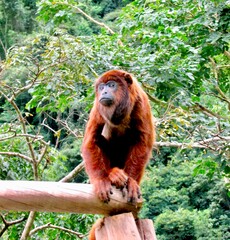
pixel 111 84
pixel 101 86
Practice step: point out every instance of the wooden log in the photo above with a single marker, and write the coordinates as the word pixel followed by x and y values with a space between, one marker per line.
pixel 118 227
pixel 61 197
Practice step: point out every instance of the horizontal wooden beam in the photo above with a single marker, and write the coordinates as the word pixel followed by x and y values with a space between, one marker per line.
pixel 61 197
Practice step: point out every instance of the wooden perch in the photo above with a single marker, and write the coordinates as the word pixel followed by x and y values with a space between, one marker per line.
pixel 61 197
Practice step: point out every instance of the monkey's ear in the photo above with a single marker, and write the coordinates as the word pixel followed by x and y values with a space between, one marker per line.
pixel 128 78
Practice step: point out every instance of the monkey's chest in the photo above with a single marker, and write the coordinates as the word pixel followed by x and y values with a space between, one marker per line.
pixel 117 148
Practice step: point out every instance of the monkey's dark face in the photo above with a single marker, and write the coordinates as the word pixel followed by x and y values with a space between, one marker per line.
pixel 106 92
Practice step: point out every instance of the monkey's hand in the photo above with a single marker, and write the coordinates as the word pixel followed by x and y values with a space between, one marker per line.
pixel 103 189
pixel 133 189
pixel 118 177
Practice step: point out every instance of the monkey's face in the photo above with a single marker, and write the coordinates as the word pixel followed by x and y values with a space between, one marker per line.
pixel 106 93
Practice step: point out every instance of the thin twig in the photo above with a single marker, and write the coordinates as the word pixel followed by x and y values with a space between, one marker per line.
pixel 15 135
pixel 7 224
pixel 15 154
pixel 43 153
pixel 200 144
pixel 209 112
pixel 73 173
pixel 49 225
pixel 215 69
pixel 87 16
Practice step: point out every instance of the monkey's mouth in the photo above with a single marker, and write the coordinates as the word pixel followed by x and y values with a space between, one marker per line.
pixel 106 101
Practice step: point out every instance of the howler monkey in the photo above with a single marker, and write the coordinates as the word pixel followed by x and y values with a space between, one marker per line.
pixel 119 135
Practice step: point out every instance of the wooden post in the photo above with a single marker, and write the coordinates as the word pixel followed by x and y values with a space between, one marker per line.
pixel 146 229
pixel 124 227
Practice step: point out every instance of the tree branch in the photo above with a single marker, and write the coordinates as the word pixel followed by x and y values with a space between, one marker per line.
pixel 3 47
pixel 209 112
pixel 15 154
pixel 28 226
pixel 49 225
pixel 43 153
pixel 8 224
pixel 15 135
pixel 73 173
pixel 157 101
pixel 200 144
pixel 87 16
pixel 24 130
pixel 215 71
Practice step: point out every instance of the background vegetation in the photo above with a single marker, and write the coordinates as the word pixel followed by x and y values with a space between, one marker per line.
pixel 50 53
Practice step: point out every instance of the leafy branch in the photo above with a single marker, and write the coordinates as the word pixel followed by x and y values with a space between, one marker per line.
pixel 209 112
pixel 88 17
pixel 215 69
pixel 85 15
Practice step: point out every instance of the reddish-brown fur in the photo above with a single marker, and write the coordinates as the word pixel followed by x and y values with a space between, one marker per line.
pixel 119 139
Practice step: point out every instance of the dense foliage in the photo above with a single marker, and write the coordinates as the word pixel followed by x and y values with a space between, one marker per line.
pixel 178 50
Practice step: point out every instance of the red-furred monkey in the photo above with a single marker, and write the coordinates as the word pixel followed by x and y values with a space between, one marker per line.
pixel 119 135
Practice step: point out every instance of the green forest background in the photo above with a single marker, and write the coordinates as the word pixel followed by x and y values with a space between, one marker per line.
pixel 50 54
